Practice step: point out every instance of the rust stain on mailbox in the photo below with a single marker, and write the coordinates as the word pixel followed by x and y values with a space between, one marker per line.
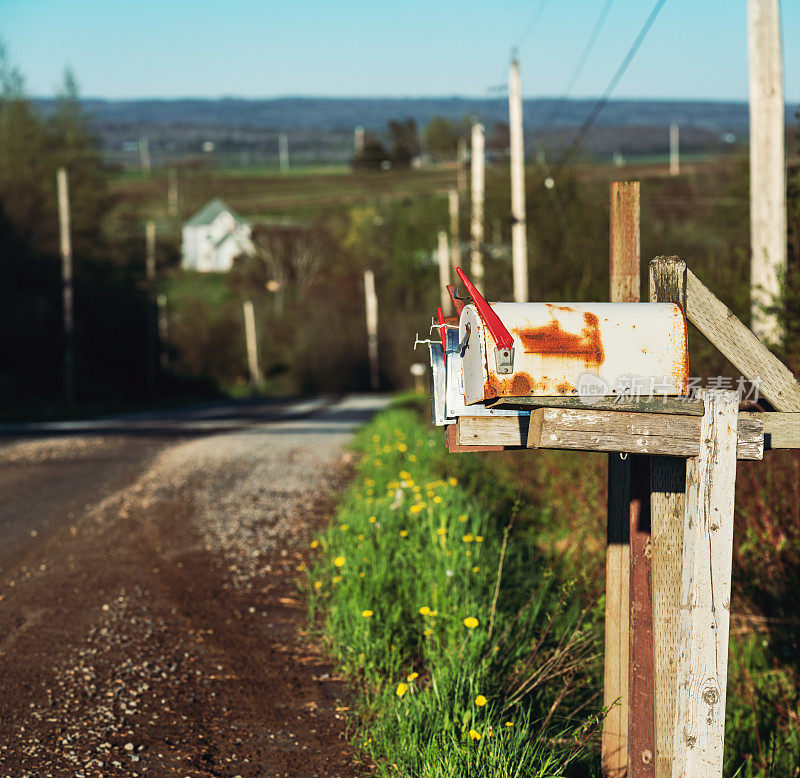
pixel 553 339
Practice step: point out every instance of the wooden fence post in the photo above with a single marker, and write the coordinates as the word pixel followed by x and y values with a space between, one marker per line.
pixel 624 258
pixel 667 507
pixel 699 729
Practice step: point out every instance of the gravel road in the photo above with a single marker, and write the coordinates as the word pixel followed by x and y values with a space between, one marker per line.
pixel 150 622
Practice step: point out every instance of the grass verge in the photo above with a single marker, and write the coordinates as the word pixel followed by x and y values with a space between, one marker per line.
pixel 475 656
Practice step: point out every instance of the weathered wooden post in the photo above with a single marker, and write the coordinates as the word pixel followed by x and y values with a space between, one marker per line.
pixel 667 508
pixel 624 258
pixel 699 731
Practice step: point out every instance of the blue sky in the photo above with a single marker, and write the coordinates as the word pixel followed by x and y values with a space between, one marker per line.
pixel 262 48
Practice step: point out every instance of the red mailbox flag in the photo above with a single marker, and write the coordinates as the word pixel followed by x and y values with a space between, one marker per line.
pixel 502 337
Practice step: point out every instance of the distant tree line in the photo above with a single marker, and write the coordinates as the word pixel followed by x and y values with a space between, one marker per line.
pixel 438 140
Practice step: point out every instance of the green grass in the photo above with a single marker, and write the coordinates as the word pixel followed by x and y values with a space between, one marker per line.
pixel 461 676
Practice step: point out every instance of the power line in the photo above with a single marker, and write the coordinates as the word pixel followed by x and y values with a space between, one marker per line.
pixel 529 28
pixel 600 104
pixel 576 71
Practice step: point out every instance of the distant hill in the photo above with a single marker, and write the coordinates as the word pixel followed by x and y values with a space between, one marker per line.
pixel 245 132
pixel 373 113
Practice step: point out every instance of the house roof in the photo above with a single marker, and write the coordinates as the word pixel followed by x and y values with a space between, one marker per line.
pixel 210 211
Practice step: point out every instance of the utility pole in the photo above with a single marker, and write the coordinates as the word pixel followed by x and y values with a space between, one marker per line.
pixel 172 192
pixel 371 304
pixel 358 140
pixel 767 165
pixel 283 152
pixel 476 231
pixel 152 332
pixel 144 155
pixel 461 162
pixel 66 285
pixel 455 238
pixel 150 253
pixel 251 342
pixel 443 256
pixel 519 241
pixel 674 149
pixel 163 331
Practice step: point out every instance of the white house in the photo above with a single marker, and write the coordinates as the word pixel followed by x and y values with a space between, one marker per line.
pixel 213 238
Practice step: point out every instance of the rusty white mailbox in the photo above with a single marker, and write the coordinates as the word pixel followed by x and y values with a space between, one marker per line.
pixel 571 349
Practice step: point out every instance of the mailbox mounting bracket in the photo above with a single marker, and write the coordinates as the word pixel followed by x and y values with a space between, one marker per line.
pixel 505 360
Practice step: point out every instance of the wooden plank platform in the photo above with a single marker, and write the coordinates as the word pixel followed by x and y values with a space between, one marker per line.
pixel 591 430
pixel 680 406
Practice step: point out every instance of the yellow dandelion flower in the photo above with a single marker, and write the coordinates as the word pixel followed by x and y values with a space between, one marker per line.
pixel 361 575
pixel 372 519
pixel 437 499
pixel 452 481
pixel 427 632
pixel 402 447
pixel 425 610
pixel 405 475
pixel 479 538
pixel 410 483
pixel 361 537
pixel 470 622
pixel 344 527
pixel 369 500
pixel 314 543
pixel 441 531
pixel 366 613
pixel 412 676
pixel 369 482
pixel 467 538
pixel 416 489
pixel 467 553
pixel 402 688
pixel 480 700
pixel 403 533
pixel 475 569
pixel 430 493
pixel 474 735
pixel 462 517
pixel 337 578
pixel 412 457
pixel 301 567
pixel 339 561
pixel 370 491
pixel 377 463
pixel 317 584
pixel 509 723
pixel 376 438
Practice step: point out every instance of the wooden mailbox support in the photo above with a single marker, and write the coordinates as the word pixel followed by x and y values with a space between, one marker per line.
pixel 678 492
